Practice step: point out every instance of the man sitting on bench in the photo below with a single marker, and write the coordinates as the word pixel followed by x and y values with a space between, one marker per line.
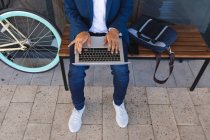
pixel 97 16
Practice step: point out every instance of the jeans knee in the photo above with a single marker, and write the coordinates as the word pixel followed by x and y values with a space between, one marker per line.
pixel 120 71
pixel 76 72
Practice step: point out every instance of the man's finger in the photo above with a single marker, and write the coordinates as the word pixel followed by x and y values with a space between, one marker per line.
pixel 89 42
pixel 79 47
pixel 73 42
pixel 105 40
pixel 117 47
pixel 113 46
pixel 109 44
pixel 75 48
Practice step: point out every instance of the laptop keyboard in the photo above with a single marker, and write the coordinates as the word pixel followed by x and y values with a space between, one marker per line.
pixel 97 55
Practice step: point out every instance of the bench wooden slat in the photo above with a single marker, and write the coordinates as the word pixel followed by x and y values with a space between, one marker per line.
pixel 184 55
pixel 178 48
pixel 189 44
pixel 192 39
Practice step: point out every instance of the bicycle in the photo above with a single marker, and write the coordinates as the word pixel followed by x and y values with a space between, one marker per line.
pixel 28 41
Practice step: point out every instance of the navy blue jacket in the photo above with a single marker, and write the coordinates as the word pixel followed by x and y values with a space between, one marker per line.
pixel 80 15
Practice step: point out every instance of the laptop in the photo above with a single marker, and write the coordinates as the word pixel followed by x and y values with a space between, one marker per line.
pixel 97 54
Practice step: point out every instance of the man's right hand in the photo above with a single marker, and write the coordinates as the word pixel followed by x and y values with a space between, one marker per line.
pixel 80 40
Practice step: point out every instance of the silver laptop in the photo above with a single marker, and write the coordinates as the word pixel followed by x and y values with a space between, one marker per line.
pixel 98 54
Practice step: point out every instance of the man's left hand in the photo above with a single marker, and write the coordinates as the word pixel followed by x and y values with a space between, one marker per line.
pixel 112 39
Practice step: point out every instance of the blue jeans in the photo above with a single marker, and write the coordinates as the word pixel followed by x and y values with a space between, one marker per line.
pixel 76 81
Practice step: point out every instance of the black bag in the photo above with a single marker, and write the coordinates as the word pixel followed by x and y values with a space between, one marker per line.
pixel 155 36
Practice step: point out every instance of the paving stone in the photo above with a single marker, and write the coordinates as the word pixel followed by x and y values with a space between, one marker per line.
pixel 15 121
pixel 195 66
pixel 204 117
pixel 64 96
pixel 24 94
pixel 183 74
pixel 131 75
pixel 164 124
pixel 89 79
pixel 191 133
pixel 162 73
pixel 57 76
pixel 6 94
pixel 103 76
pixel 137 106
pixel 136 94
pixel 93 112
pixel 44 78
pixel 113 132
pixel 162 132
pixel 90 132
pixel 20 78
pixel 6 73
pixel 108 109
pixel 143 71
pixel 157 95
pixel 200 96
pixel 60 130
pixel 140 132
pixel 44 104
pixel 182 106
pixel 37 132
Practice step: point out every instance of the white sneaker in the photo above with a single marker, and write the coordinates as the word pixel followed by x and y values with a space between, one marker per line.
pixel 75 120
pixel 121 115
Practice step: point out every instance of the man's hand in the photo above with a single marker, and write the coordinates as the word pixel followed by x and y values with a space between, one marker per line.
pixel 79 41
pixel 112 39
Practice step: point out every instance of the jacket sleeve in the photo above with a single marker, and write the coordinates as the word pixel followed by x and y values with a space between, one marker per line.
pixel 123 15
pixel 74 17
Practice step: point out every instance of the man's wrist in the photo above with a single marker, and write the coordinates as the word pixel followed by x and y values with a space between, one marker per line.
pixel 112 28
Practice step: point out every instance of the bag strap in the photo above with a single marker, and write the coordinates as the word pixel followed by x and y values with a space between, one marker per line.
pixel 171 66
pixel 162 31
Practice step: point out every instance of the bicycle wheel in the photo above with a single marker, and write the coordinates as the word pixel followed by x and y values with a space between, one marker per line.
pixel 42 41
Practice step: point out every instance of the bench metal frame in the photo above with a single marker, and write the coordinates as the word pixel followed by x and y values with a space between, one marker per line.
pixel 198 77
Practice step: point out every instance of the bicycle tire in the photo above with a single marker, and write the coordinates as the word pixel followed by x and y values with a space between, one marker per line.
pixel 49 52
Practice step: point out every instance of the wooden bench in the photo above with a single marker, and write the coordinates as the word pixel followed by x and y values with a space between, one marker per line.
pixel 189 45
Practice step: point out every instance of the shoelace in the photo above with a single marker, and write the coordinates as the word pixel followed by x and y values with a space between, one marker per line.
pixel 76 115
pixel 122 110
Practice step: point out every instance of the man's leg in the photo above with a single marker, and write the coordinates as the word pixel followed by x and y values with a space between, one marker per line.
pixel 76 84
pixel 76 77
pixel 120 81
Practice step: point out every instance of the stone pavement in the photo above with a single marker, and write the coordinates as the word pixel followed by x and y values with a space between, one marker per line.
pixel 36 106
pixel 141 74
pixel 155 113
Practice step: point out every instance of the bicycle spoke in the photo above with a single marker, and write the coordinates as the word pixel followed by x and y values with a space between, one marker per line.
pixel 34 30
pixel 16 23
pixel 49 50
pixel 43 42
pixel 36 34
pixel 42 54
pixel 4 35
pixel 16 33
pixel 41 31
pixel 28 27
pixel 31 25
pixel 40 39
